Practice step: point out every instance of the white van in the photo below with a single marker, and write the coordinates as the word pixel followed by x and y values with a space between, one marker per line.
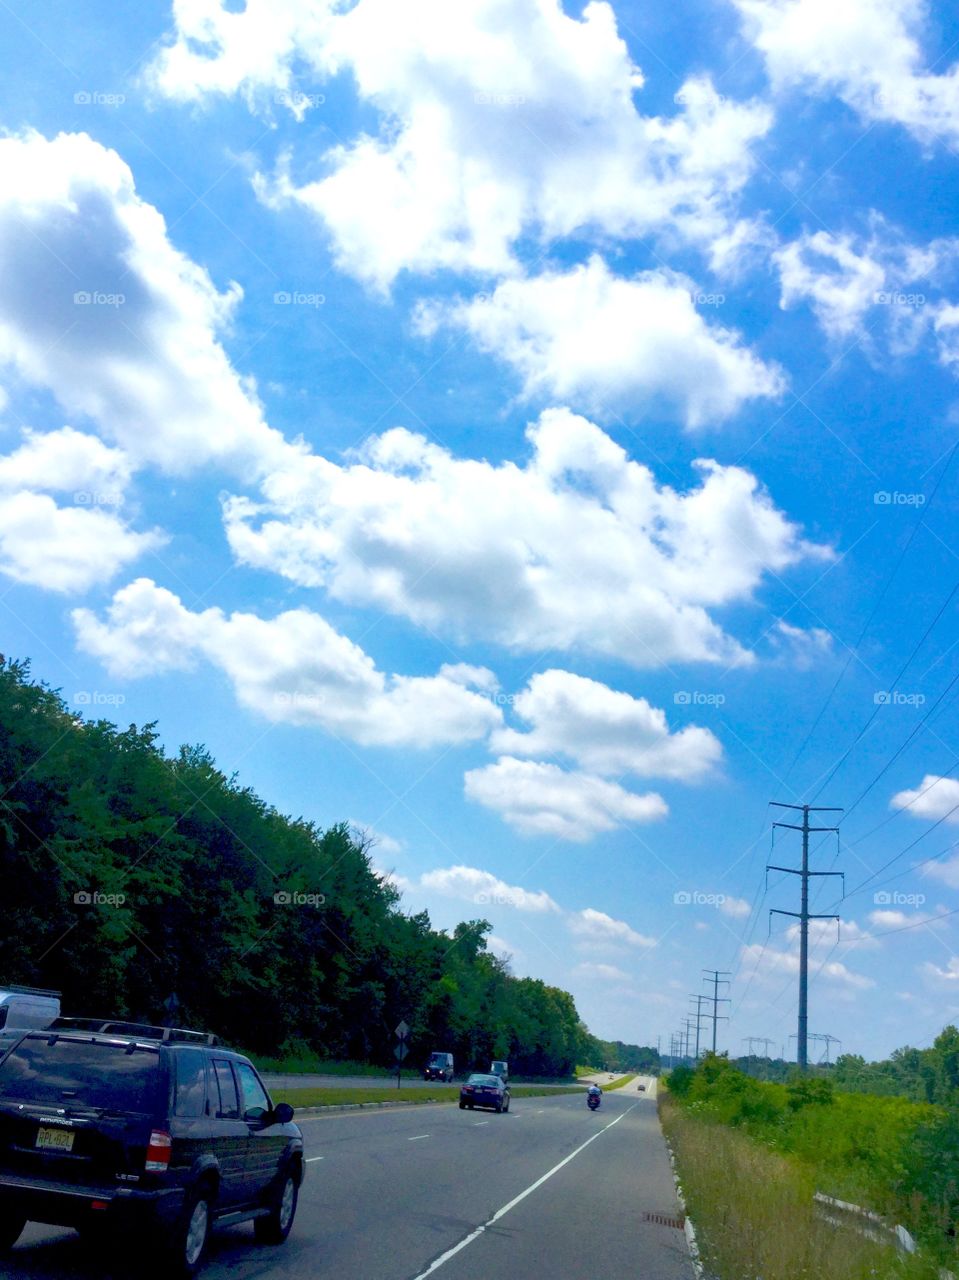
pixel 501 1069
pixel 25 1009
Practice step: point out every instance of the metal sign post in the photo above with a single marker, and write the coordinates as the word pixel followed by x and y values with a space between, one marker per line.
pixel 401 1050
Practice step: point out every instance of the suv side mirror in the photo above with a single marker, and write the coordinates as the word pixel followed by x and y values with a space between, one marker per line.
pixel 283 1113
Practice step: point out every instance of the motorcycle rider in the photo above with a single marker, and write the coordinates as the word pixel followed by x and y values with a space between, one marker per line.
pixel 594 1091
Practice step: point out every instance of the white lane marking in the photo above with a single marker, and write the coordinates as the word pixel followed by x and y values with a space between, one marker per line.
pixel 418 1137
pixel 476 1123
pixel 313 1159
pixel 501 1213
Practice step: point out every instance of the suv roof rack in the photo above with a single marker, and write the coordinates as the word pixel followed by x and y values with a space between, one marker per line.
pixel 29 991
pixel 140 1030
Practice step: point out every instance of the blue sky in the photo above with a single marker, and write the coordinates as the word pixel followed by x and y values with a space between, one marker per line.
pixel 501 425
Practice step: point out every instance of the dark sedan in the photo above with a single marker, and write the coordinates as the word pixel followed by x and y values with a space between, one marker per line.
pixel 484 1091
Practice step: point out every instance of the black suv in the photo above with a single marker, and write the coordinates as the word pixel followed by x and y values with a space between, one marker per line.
pixel 114 1126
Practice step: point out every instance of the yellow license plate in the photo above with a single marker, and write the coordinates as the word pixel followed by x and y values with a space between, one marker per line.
pixel 55 1139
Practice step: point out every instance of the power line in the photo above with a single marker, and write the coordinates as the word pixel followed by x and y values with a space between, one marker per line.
pixel 920 520
pixel 879 705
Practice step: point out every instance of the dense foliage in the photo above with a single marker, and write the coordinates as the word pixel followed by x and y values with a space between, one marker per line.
pixel 158 889
pixel 614 1055
pixel 898 1157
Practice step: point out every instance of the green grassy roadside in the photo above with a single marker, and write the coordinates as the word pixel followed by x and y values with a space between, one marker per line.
pixel 754 1213
pixel 330 1097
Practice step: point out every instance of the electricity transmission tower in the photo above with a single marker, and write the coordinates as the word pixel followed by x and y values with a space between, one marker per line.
pixel 827 1040
pixel 765 1042
pixel 717 978
pixel 803 915
pixel 700 1001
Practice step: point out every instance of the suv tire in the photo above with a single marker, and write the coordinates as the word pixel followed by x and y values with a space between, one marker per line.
pixel 276 1226
pixel 11 1227
pixel 186 1247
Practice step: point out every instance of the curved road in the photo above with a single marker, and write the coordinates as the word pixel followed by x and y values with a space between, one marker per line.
pixel 548 1189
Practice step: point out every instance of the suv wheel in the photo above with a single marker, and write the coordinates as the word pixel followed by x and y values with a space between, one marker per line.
pixel 11 1225
pixel 187 1244
pixel 275 1227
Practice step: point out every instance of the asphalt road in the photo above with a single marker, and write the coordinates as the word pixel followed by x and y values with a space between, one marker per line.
pixel 548 1189
pixel 411 1080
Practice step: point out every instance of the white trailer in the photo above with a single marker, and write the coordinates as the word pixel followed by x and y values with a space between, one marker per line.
pixel 25 1009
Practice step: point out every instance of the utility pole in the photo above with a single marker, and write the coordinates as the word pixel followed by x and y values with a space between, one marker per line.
pixel 687 1023
pixel 718 978
pixel 700 1001
pixel 803 915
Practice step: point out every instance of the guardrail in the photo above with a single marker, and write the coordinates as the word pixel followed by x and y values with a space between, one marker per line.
pixel 840 1213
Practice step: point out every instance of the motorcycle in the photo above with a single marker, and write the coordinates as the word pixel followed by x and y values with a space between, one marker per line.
pixel 593 1101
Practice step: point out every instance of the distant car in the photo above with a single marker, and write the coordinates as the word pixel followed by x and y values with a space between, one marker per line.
pixel 439 1067
pixel 641 1088
pixel 499 1068
pixel 158 1135
pixel 484 1091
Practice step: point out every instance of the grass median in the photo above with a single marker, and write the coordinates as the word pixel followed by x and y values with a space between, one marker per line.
pixel 333 1097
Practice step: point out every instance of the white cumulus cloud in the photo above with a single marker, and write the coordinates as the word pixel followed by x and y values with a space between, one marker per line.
pixel 482 551
pixel 294 668
pixel 100 308
pixel 482 888
pixel 592 339
pixel 603 730
pixel 935 797
pixel 543 799
pixel 498 118
pixel 596 928
pixel 866 52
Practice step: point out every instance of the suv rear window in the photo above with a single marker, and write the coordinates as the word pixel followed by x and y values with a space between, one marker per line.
pixel 75 1073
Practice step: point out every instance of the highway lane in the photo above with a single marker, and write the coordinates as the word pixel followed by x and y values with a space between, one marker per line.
pixel 391 1194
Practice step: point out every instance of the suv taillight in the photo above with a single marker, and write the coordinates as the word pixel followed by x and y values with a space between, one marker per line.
pixel 158 1152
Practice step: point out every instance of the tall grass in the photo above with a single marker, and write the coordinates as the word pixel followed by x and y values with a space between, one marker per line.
pixel 754 1212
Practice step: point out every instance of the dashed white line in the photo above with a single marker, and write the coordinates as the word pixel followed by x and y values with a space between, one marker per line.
pixel 500 1213
pixel 313 1159
pixel 476 1123
pixel 419 1137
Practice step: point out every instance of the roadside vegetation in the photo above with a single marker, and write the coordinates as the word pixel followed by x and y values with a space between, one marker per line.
pixel 752 1154
pixel 157 888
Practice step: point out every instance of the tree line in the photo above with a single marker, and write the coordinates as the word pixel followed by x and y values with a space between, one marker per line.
pixel 156 888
